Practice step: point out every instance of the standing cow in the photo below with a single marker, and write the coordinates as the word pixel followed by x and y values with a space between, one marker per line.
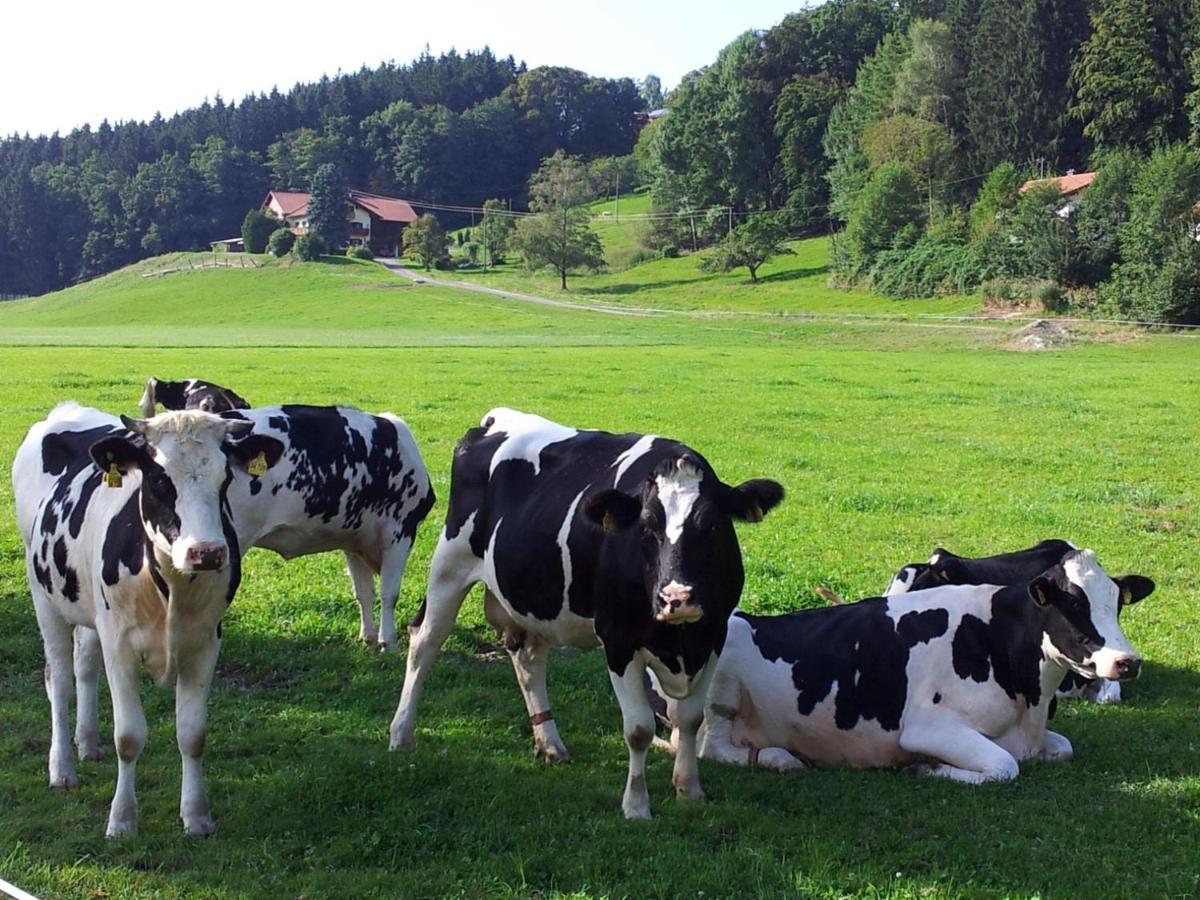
pixel 129 539
pixel 347 480
pixel 958 679
pixel 585 537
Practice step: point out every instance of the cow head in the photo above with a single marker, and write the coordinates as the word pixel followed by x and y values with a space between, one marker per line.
pixel 191 394
pixel 1081 603
pixel 184 459
pixel 682 523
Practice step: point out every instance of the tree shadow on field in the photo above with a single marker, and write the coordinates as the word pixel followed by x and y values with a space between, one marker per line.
pixel 793 274
pixel 308 797
pixel 635 287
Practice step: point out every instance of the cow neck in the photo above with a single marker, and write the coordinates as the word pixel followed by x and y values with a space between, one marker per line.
pixel 1024 628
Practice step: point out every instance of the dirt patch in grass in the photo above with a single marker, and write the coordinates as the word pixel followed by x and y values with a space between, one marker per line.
pixel 1044 334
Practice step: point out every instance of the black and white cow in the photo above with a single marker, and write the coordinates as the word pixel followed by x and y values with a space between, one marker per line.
pixel 945 567
pixel 584 538
pixel 347 481
pixel 191 393
pixel 957 680
pixel 129 540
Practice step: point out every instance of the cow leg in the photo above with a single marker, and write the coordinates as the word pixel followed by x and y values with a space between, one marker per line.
pixel 129 732
pixel 451 574
pixel 529 655
pixel 637 719
pixel 965 754
pixel 56 643
pixel 390 574
pixel 362 576
pixel 192 685
pixel 1107 691
pixel 689 714
pixel 88 662
pixel 716 734
pixel 1056 748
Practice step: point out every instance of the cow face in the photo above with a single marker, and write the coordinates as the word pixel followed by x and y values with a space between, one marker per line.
pixel 1081 603
pixel 184 460
pixel 682 524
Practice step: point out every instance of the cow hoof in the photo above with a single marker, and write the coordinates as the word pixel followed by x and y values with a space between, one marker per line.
pixel 120 829
pixel 91 754
pixel 689 793
pixel 63 782
pixel 401 742
pixel 200 826
pixel 551 755
pixel 386 646
pixel 637 812
pixel 779 760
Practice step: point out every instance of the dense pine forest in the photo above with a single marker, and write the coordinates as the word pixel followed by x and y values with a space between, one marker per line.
pixel 906 127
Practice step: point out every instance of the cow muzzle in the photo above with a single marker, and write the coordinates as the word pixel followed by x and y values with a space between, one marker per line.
pixel 206 557
pixel 1124 668
pixel 675 605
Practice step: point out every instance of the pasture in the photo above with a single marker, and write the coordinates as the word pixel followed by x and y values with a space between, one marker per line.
pixel 889 439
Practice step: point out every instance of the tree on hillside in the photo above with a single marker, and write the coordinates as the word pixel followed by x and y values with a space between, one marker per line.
pixel 256 230
pixel 494 230
pixel 750 244
pixel 801 113
pixel 329 206
pixel 559 234
pixel 928 85
pixel 650 89
pixel 1131 75
pixel 923 147
pixel 425 240
pixel 887 205
pixel 997 194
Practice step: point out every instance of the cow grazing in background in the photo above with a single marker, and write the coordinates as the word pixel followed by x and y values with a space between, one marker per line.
pixel 346 480
pixel 191 393
pixel 129 540
pixel 957 679
pixel 945 567
pixel 584 538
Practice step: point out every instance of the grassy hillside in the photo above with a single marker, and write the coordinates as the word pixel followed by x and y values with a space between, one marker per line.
pixel 796 283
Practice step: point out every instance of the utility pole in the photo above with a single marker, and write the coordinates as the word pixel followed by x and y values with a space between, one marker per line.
pixel 617 213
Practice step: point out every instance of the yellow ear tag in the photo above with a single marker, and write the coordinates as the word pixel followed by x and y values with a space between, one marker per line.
pixel 1126 596
pixel 112 478
pixel 1039 595
pixel 257 467
pixel 609 523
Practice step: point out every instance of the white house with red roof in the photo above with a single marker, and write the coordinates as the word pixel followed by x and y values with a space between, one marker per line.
pixel 1070 186
pixel 375 221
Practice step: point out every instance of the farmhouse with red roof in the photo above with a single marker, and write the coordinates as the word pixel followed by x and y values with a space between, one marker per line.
pixel 375 220
pixel 1070 186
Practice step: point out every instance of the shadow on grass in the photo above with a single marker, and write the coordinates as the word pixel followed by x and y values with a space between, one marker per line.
pixel 308 798
pixel 793 274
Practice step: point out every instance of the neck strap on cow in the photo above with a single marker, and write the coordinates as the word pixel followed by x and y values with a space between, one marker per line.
pixel 752 757
pixel 541 718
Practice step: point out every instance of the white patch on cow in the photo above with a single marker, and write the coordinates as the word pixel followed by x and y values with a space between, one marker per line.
pixel 563 532
pixel 630 456
pixel 678 492
pixel 528 436
pixel 902 581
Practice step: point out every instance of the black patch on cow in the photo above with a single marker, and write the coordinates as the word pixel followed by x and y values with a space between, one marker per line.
pixel 156 576
pixel 971 649
pixel 279 423
pixel 60 555
pixel 231 539
pixel 858 646
pixel 70 578
pixel 64 450
pixel 1003 568
pixel 416 515
pixel 79 510
pixel 159 499
pixel 416 620
pixel 193 394
pixel 255 487
pixel 1009 646
pixel 937 698
pixel 42 574
pixel 124 542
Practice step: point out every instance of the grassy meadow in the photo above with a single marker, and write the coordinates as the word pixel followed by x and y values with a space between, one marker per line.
pixel 890 439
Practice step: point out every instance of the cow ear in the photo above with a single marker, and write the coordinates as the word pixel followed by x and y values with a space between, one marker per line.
pixel 753 499
pixel 255 453
pixel 1044 590
pixel 612 510
pixel 1134 588
pixel 125 453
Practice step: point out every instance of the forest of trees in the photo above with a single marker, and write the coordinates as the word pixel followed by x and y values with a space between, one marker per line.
pixel 904 127
pixel 453 129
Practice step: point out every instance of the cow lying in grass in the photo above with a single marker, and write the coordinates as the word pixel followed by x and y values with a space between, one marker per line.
pixel 345 480
pixel 956 681
pixel 129 541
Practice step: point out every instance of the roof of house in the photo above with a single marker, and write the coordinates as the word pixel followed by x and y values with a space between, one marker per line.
pixel 387 209
pixel 1071 183
pixel 293 203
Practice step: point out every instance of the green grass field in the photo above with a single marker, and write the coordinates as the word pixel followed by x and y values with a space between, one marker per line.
pixel 890 439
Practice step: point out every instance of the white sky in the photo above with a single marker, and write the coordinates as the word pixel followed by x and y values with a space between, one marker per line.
pixel 74 61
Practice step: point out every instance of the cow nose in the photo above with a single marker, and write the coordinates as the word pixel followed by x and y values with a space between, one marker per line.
pixel 207 557
pixel 1128 667
pixel 675 604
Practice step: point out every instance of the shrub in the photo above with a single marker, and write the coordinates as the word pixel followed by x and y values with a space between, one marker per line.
pixel 883 208
pixel 308 247
pixel 359 251
pixel 257 228
pixel 280 242
pixel 669 251
pixel 927 269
